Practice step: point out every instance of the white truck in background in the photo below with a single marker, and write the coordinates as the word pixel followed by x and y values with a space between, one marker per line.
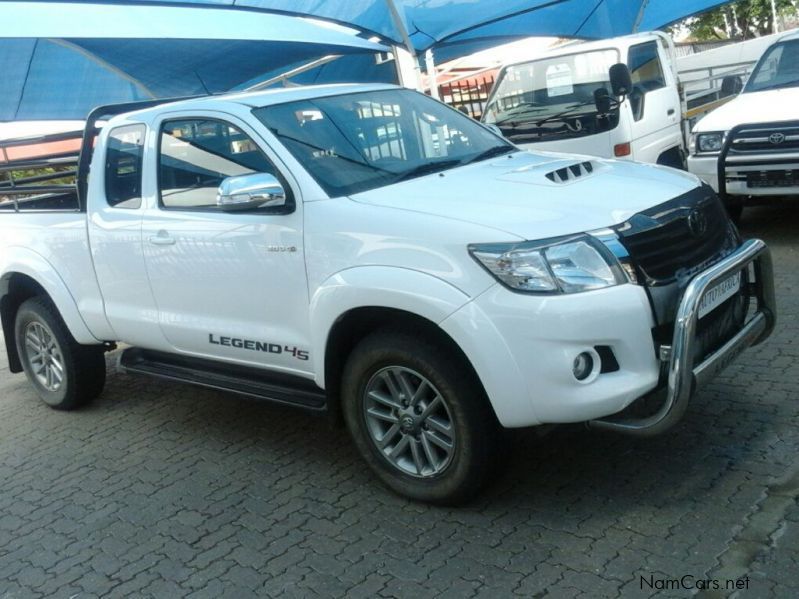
pixel 558 100
pixel 364 250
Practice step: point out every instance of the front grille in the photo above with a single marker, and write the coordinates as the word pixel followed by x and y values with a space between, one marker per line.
pixel 764 139
pixel 679 238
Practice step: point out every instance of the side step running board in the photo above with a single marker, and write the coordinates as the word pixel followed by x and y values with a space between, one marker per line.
pixel 254 382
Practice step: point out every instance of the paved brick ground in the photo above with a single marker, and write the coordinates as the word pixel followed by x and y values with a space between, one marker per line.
pixel 167 491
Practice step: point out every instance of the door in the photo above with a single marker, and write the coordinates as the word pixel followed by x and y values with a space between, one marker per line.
pixel 654 103
pixel 115 221
pixel 228 285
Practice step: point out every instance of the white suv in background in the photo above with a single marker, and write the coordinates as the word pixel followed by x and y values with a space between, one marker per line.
pixel 750 146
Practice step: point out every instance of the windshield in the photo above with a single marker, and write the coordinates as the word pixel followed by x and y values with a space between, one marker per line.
pixel 779 67
pixel 552 97
pixel 355 142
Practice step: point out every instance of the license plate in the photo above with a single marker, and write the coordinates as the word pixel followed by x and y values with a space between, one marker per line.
pixel 773 179
pixel 719 294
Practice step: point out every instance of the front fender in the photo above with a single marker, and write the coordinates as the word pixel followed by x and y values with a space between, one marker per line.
pixel 25 261
pixel 382 287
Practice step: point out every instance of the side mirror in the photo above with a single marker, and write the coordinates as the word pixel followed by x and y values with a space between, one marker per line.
pixel 621 82
pixel 731 85
pixel 247 192
pixel 602 100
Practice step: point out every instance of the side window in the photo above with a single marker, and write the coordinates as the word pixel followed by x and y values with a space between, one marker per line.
pixel 196 155
pixel 645 67
pixel 646 73
pixel 123 160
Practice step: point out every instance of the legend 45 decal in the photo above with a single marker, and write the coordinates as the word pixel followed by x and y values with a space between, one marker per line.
pixel 262 346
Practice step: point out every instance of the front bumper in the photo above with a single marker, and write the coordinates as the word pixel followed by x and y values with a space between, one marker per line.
pixel 522 348
pixel 751 164
pixel 684 377
pixel 706 168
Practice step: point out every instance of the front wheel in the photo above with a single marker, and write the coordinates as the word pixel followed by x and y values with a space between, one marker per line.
pixel 64 373
pixel 419 417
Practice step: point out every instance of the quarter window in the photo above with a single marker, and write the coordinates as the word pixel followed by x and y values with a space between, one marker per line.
pixel 123 161
pixel 196 155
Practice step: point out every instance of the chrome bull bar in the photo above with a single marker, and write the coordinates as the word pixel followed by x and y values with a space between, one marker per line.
pixel 685 376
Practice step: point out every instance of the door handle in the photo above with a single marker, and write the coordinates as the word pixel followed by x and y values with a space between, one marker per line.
pixel 163 238
pixel 670 112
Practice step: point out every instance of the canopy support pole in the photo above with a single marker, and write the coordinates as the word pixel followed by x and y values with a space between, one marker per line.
pixel 284 77
pixel 406 40
pixel 432 75
pixel 640 16
pixel 775 28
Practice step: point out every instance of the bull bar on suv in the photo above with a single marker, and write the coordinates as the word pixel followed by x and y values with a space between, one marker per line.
pixel 684 377
pixel 754 152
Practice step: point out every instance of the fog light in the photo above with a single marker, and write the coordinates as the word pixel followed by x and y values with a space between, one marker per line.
pixel 583 366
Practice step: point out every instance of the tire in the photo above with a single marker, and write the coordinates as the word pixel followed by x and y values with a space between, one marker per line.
pixel 81 376
pixel 449 398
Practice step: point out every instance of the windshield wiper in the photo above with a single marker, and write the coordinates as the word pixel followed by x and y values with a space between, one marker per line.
pixel 514 114
pixel 563 113
pixel 490 153
pixel 426 169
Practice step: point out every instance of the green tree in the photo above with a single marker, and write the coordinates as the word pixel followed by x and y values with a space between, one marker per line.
pixel 743 19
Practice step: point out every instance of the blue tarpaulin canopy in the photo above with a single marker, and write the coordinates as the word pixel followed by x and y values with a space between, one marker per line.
pixel 60 58
pixel 438 23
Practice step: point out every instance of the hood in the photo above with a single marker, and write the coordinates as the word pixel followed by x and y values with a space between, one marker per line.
pixel 537 195
pixel 752 107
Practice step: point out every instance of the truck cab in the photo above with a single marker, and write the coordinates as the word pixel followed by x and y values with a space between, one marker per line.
pixel 550 102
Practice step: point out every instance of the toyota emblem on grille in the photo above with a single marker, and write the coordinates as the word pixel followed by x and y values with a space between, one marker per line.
pixel 776 138
pixel 697 222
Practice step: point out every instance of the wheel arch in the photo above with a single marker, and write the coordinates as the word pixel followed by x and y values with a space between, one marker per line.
pixel 673 157
pixel 357 323
pixel 36 277
pixel 357 301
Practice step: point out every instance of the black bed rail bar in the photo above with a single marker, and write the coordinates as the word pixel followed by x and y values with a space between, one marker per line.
pixel 35 140
pixel 12 183
pixel 26 190
pixel 39 162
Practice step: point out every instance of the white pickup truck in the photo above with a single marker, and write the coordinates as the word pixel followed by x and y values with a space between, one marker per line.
pixel 750 146
pixel 367 251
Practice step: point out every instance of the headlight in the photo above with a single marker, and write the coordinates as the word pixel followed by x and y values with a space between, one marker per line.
pixel 709 142
pixel 564 265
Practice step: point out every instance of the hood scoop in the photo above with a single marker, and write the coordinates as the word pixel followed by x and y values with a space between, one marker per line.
pixel 571 172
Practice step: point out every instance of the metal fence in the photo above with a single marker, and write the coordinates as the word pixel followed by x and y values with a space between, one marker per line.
pixel 468 95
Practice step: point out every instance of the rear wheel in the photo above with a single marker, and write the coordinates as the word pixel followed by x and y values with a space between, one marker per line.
pixel 64 373
pixel 418 417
